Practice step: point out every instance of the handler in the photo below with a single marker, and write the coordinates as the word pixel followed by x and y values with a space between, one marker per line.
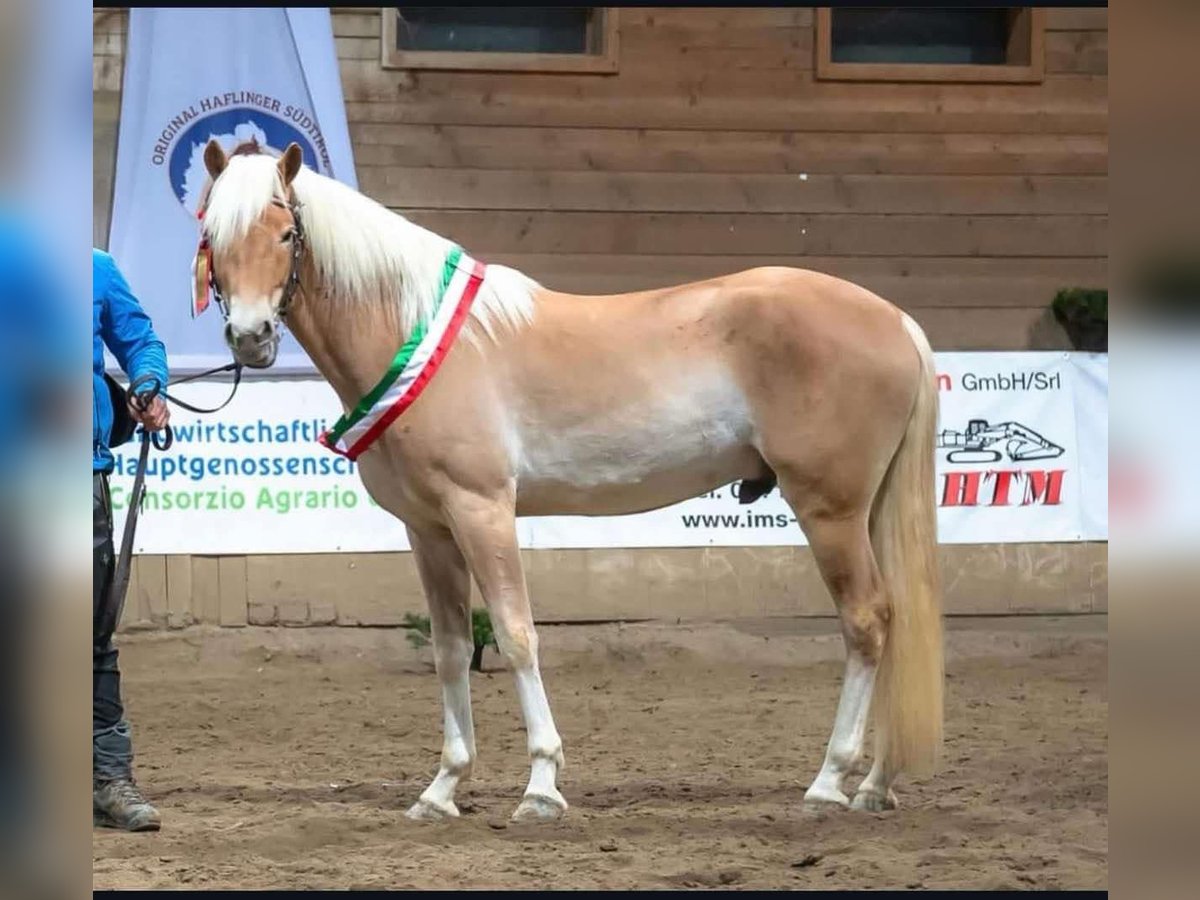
pixel 120 323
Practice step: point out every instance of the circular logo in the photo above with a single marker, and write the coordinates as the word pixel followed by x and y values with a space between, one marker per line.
pixel 230 127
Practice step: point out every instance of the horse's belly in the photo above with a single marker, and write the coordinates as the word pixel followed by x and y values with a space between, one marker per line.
pixel 545 497
pixel 636 457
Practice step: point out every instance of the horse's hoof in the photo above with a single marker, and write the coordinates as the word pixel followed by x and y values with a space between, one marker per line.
pixel 540 808
pixel 873 801
pixel 819 799
pixel 425 811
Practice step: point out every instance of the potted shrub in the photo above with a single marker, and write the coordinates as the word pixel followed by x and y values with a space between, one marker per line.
pixel 419 631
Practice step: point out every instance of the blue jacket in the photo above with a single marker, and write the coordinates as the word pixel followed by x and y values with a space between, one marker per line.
pixel 120 323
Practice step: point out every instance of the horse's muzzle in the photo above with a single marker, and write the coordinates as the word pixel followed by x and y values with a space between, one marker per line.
pixel 256 354
pixel 254 351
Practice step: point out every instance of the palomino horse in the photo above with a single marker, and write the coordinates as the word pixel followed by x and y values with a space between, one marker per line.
pixel 553 404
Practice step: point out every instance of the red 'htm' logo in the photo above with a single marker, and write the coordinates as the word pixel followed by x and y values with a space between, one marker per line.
pixel 1003 487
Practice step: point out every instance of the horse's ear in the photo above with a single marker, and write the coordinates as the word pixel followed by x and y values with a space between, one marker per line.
pixel 290 162
pixel 214 158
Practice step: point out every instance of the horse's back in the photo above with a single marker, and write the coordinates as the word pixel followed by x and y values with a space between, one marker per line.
pixel 769 293
pixel 795 323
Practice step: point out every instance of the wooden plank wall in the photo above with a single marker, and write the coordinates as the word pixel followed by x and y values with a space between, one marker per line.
pixel 714 149
pixel 703 583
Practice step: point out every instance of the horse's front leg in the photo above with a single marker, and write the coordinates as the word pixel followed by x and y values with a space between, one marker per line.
pixel 486 531
pixel 448 592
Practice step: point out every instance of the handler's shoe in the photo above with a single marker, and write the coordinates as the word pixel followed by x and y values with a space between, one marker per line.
pixel 120 804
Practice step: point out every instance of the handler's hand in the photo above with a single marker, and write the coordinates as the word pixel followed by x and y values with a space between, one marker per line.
pixel 155 417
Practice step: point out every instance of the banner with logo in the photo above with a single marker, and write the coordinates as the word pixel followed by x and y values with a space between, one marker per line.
pixel 269 75
pixel 1022 456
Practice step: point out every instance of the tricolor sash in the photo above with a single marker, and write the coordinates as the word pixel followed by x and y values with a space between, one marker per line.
pixel 415 364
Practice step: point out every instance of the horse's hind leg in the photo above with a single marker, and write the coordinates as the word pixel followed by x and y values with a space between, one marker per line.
pixel 875 793
pixel 448 592
pixel 842 548
pixel 486 531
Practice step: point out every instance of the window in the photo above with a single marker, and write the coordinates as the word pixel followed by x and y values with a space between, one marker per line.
pixel 1002 44
pixel 513 38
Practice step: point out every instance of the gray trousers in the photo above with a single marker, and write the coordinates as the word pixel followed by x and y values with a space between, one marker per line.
pixel 112 747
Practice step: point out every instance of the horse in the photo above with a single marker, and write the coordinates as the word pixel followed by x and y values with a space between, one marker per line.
pixel 547 403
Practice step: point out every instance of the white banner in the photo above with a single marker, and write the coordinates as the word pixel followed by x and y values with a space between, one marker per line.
pixel 232 74
pixel 1022 457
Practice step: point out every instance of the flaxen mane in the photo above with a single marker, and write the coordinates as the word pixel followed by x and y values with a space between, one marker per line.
pixel 363 252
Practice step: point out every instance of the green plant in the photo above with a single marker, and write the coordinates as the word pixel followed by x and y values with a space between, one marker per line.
pixel 420 634
pixel 1083 314
pixel 419 630
pixel 484 637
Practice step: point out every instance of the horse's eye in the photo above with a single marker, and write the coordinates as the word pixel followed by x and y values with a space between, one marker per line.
pixel 287 236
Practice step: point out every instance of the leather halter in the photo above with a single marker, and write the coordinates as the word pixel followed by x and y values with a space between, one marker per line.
pixel 293 280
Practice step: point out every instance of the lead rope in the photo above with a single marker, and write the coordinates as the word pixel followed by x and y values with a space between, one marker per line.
pixel 142 393
pixel 234 367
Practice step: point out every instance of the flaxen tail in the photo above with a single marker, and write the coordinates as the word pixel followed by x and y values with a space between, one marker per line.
pixel 909 686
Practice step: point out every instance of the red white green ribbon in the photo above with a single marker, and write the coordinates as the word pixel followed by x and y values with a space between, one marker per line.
pixel 201 274
pixel 414 365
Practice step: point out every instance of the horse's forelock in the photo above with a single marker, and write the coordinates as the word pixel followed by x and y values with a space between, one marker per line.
pixel 247 148
pixel 237 197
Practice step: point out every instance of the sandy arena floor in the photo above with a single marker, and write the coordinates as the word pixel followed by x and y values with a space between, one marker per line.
pixel 286 758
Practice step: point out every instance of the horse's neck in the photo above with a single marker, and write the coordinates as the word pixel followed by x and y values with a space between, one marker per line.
pixel 351 347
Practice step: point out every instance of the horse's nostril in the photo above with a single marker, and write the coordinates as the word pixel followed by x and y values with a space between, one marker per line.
pixel 238 336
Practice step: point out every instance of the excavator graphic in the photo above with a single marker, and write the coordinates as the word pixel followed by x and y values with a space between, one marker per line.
pixel 981 441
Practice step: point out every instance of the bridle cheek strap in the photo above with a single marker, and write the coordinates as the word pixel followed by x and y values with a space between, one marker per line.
pixel 292 285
